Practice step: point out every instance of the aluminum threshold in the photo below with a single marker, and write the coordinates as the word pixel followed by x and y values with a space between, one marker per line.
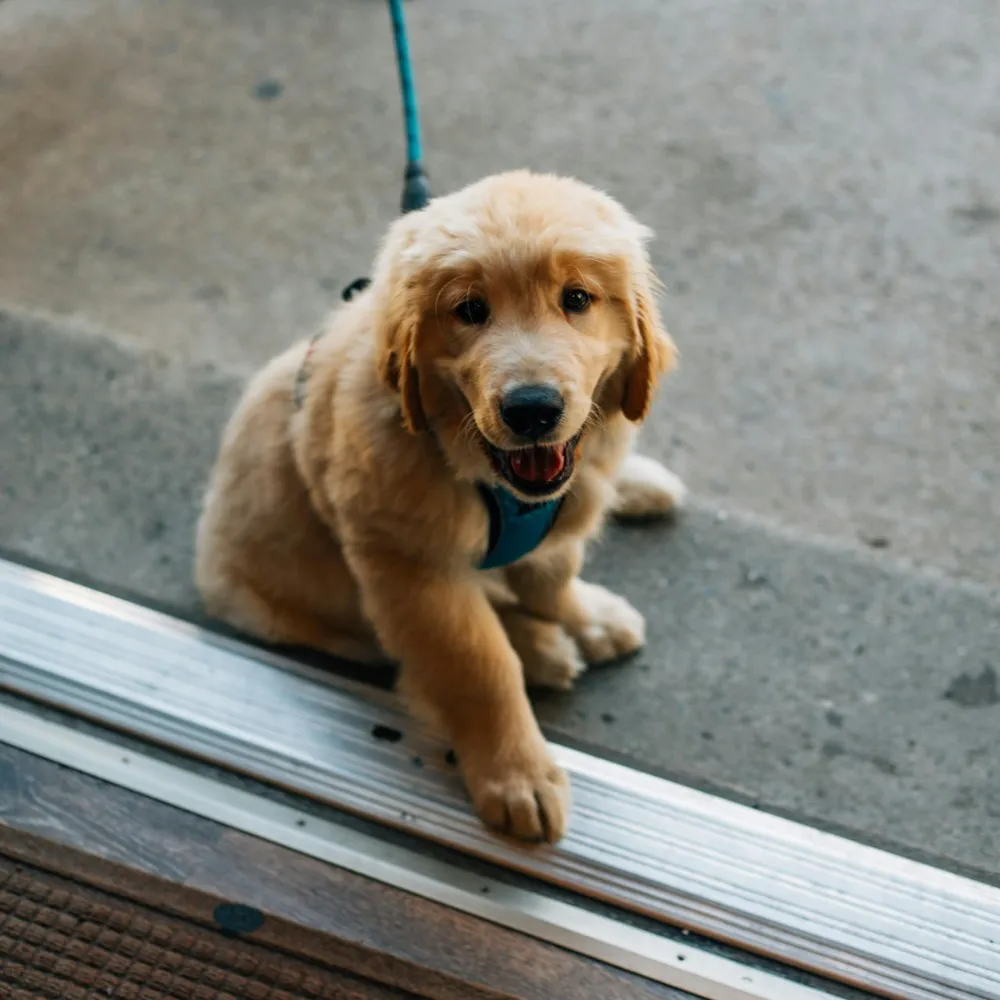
pixel 840 909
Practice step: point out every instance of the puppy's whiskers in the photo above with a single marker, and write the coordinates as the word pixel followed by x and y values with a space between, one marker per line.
pixel 596 418
pixel 468 429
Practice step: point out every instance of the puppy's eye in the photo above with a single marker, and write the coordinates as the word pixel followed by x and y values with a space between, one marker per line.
pixel 575 300
pixel 473 312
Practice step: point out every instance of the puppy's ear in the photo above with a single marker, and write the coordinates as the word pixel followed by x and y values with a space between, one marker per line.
pixel 397 315
pixel 653 352
pixel 397 367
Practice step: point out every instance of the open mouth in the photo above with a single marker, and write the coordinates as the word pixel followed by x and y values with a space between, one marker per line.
pixel 536 470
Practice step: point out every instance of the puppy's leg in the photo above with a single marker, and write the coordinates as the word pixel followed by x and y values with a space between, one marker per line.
pixel 549 656
pixel 604 625
pixel 646 489
pixel 241 606
pixel 457 661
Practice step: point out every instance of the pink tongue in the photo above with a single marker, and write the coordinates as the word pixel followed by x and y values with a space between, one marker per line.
pixel 539 464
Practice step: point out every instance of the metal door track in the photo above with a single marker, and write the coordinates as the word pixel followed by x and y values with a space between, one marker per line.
pixel 840 909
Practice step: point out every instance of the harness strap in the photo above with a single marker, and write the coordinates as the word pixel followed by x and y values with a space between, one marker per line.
pixel 357 286
pixel 516 528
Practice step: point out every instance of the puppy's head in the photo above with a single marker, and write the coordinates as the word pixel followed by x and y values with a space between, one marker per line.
pixel 514 317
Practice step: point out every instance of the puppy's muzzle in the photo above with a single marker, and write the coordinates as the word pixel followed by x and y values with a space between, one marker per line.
pixel 532 411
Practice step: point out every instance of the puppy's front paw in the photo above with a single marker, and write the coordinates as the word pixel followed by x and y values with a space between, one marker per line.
pixel 646 489
pixel 549 656
pixel 528 798
pixel 611 628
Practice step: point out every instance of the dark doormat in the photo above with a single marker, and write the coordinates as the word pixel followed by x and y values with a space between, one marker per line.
pixel 63 940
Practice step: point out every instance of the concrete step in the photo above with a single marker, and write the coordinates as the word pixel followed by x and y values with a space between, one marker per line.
pixel 815 679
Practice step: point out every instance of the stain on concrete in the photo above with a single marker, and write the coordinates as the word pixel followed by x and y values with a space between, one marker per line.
pixel 796 218
pixel 719 177
pixel 154 529
pixel 834 719
pixel 834 749
pixel 965 798
pixel 210 293
pixel 977 213
pixel 974 692
pixel 877 541
pixel 268 90
pixel 752 578
pixel 885 765
pixel 778 101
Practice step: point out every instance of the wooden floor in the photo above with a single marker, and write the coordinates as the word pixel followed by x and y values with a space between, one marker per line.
pixel 81 844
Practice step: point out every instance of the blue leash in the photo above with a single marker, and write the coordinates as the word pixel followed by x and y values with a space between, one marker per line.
pixel 416 192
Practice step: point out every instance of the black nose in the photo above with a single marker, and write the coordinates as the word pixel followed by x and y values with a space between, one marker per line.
pixel 531 411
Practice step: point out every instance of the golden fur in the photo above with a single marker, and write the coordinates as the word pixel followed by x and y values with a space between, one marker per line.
pixel 353 524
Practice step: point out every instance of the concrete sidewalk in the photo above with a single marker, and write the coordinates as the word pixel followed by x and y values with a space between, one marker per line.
pixel 195 181
pixel 824 179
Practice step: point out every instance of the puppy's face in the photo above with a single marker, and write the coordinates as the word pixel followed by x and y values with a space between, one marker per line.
pixel 519 351
pixel 516 316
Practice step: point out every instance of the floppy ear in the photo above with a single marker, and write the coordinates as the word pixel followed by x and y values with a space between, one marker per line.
pixel 653 352
pixel 397 316
pixel 397 367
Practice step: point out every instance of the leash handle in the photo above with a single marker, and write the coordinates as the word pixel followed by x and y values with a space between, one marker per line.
pixel 416 191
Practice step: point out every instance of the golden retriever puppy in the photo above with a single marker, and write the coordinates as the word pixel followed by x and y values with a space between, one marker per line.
pixel 419 480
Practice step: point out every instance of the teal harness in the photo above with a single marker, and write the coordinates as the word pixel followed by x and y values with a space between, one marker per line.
pixel 516 528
